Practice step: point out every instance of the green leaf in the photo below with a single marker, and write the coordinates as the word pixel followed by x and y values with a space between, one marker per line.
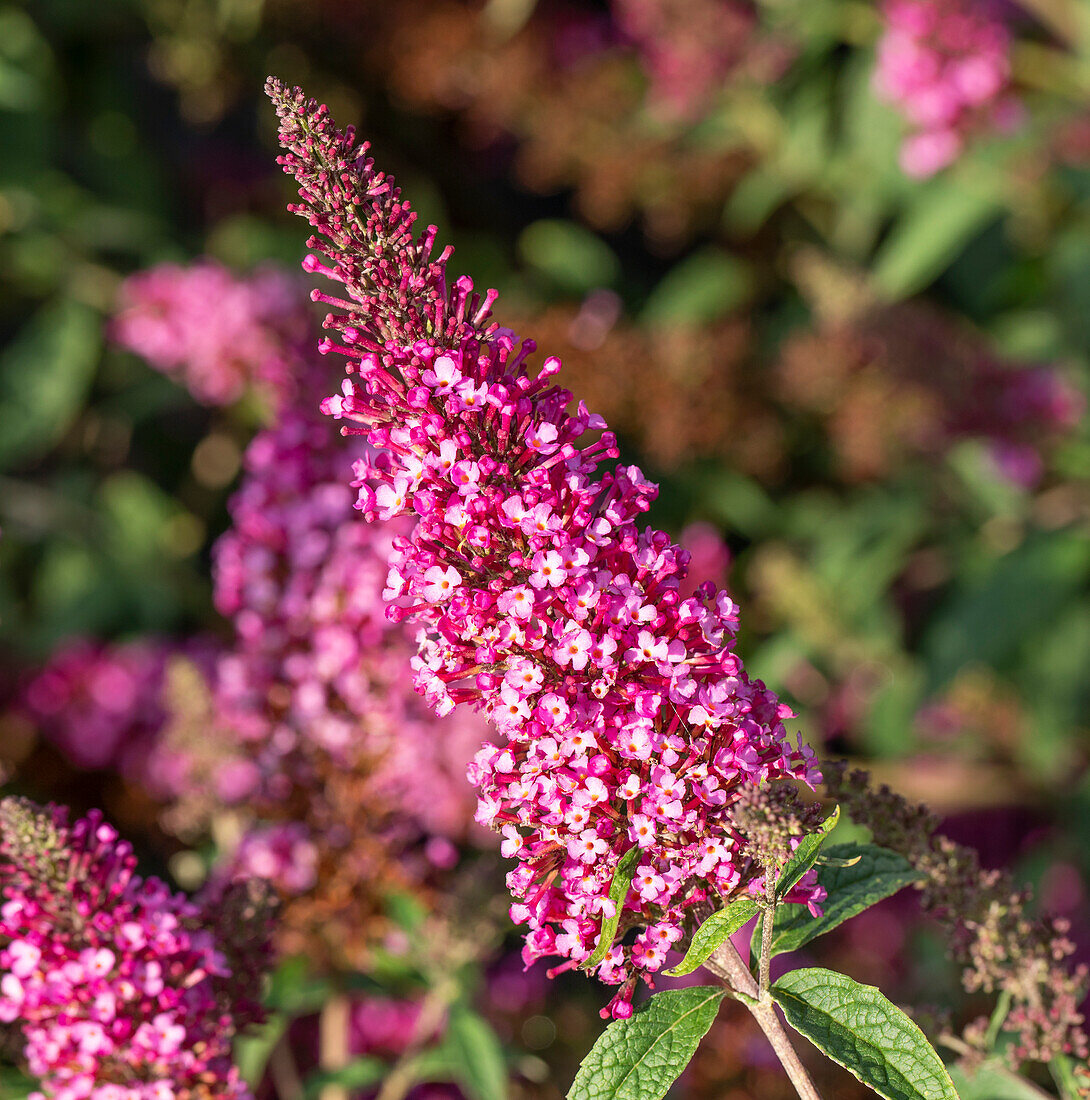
pixel 1015 600
pixel 436 1065
pixel 360 1073
pixel 703 287
pixel 405 911
pixel 45 373
pixel 253 1050
pixel 618 891
pixel 944 216
pixel 713 932
pixel 805 855
pixel 14 1085
pixel 1064 1075
pixel 641 1057
pixel 476 1057
pixel 867 1034
pixel 294 990
pixel 856 876
pixel 569 254
pixel 993 1081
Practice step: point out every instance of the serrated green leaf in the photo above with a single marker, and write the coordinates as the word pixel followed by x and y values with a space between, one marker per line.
pixel 708 937
pixel 618 891
pixel 856 877
pixel 360 1073
pixel 866 1033
pixel 44 376
pixel 641 1057
pixel 805 855
pixel 476 1057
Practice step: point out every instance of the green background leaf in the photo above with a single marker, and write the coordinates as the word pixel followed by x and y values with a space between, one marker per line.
pixel 701 288
pixel 992 1082
pixel 873 874
pixel 360 1073
pixel 569 254
pixel 45 373
pixel 477 1060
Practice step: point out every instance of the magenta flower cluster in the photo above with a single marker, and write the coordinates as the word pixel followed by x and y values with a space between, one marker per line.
pixel 1018 412
pixel 625 719
pixel 99 704
pixel 692 49
pixel 112 979
pixel 317 672
pixel 248 341
pixel 945 64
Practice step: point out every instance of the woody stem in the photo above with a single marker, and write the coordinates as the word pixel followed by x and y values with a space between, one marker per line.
pixel 727 964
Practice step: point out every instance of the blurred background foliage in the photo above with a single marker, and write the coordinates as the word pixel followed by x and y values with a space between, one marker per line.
pixel 869 382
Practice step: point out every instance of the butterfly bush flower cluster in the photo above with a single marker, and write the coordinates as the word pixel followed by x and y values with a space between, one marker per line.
pixel 691 49
pixel 99 704
pixel 303 744
pixel 945 64
pixel 246 342
pixel 122 990
pixel 103 706
pixel 624 718
pixel 319 678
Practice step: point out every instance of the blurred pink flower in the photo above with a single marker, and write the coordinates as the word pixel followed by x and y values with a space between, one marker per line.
pixel 218 333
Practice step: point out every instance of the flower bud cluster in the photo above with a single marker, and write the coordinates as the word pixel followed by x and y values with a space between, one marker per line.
pixel 945 64
pixel 121 988
pixel 624 717
pixel 992 933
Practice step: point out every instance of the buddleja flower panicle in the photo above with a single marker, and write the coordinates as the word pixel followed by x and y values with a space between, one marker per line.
pixel 396 285
pixel 122 990
pixel 624 716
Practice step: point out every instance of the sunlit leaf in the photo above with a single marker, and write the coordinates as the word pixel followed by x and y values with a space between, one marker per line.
pixel 641 1057
pixel 867 1034
pixel 708 937
pixel 805 855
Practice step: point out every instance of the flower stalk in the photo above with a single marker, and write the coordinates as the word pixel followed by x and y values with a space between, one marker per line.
pixel 727 964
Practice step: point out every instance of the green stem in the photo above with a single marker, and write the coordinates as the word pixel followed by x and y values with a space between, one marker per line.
pixel 767 929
